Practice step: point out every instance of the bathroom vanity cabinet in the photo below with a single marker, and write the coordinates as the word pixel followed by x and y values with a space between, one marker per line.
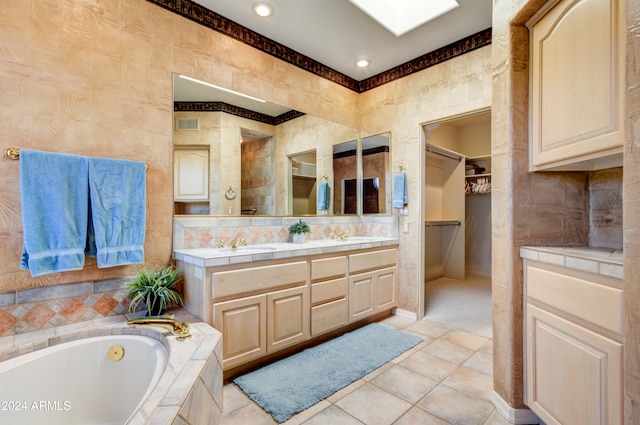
pixel 264 306
pixel 576 117
pixel 573 340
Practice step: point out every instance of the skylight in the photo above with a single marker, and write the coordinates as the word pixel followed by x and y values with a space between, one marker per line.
pixel 401 16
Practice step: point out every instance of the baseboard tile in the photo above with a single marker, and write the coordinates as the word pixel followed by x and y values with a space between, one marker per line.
pixel 405 313
pixel 514 416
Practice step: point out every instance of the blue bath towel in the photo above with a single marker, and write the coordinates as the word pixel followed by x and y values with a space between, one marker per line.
pixel 54 197
pixel 117 191
pixel 400 195
pixel 323 196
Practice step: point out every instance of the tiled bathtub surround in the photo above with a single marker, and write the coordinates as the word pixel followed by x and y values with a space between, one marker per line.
pixel 201 232
pixel 50 306
pixel 190 388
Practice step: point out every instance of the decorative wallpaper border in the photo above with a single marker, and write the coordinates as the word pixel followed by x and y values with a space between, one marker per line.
pixel 235 110
pixel 219 23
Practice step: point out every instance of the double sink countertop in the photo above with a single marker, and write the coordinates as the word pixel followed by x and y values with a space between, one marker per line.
pixel 602 261
pixel 211 257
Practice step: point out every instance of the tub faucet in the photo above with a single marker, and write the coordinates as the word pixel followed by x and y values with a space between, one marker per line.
pixel 180 330
pixel 239 241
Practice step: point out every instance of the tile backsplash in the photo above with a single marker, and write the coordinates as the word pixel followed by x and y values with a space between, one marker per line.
pixel 605 208
pixel 202 232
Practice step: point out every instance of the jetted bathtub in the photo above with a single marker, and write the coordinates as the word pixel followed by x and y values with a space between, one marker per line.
pixel 95 380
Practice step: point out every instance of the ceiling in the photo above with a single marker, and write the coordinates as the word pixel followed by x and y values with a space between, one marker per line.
pixel 336 33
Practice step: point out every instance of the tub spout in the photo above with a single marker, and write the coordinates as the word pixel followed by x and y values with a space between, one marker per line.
pixel 180 330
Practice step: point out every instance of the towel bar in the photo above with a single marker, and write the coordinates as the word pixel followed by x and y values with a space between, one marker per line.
pixel 14 153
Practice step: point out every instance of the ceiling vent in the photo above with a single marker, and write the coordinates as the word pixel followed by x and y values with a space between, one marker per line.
pixel 187 124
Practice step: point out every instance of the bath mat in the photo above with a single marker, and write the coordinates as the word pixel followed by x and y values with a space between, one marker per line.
pixel 293 384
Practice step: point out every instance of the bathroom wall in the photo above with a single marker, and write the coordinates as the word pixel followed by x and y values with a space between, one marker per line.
pixel 457 86
pixel 551 208
pixel 95 78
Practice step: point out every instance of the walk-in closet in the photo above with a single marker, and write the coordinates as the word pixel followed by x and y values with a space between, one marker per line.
pixel 457 218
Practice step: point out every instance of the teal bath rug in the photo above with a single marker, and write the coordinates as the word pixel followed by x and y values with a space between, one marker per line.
pixel 293 384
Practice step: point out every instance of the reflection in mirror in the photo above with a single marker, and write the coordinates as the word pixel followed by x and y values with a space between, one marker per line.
pixel 216 120
pixel 303 189
pixel 256 173
pixel 376 174
pixel 345 175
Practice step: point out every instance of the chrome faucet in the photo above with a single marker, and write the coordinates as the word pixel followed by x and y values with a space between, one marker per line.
pixel 180 330
pixel 239 241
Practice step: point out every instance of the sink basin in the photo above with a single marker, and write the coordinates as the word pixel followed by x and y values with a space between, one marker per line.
pixel 360 239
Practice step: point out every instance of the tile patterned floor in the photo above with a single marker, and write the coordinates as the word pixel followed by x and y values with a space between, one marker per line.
pixel 447 379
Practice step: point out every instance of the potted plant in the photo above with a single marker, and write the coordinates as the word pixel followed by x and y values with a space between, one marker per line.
pixel 155 288
pixel 298 230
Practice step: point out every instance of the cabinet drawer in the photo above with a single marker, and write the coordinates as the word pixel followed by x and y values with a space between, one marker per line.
pixel 256 279
pixel 329 316
pixel 372 260
pixel 324 268
pixel 329 290
pixel 596 303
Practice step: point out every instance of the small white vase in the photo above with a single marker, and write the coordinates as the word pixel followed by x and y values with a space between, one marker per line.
pixel 298 237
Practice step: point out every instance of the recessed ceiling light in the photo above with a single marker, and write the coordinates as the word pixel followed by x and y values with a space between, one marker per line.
pixel 362 63
pixel 264 10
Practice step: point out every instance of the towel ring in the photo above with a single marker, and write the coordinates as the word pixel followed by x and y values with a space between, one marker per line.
pixel 230 194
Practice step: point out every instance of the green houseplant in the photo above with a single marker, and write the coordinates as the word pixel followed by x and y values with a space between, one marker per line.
pixel 155 288
pixel 298 230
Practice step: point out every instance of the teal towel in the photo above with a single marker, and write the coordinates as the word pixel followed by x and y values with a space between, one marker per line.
pixel 400 195
pixel 117 191
pixel 54 199
pixel 323 196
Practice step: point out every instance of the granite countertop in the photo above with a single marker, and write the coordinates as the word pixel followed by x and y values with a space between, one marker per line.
pixel 210 257
pixel 603 261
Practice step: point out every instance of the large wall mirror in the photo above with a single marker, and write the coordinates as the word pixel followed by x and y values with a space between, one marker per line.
pixel 234 155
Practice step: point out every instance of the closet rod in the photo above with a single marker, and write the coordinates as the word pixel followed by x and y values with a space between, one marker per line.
pixel 445 155
pixel 437 223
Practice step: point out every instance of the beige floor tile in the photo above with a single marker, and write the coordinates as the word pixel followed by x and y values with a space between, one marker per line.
pixel 398 322
pixel 482 362
pixel 487 348
pixel 305 415
pixel 448 351
pixel 373 406
pixel 465 339
pixel 496 418
pixel 251 414
pixel 333 415
pixel 417 416
pixel 456 406
pixel 346 390
pixel 471 382
pixel 430 366
pixel 404 383
pixel 431 329
pixel 233 399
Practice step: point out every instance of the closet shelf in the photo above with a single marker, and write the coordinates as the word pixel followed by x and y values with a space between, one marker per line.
pixel 473 176
pixel 435 223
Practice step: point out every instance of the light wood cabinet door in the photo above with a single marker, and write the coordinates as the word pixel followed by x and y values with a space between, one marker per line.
pixel 386 296
pixel 577 86
pixel 243 324
pixel 574 375
pixel 287 317
pixel 191 175
pixel 361 296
